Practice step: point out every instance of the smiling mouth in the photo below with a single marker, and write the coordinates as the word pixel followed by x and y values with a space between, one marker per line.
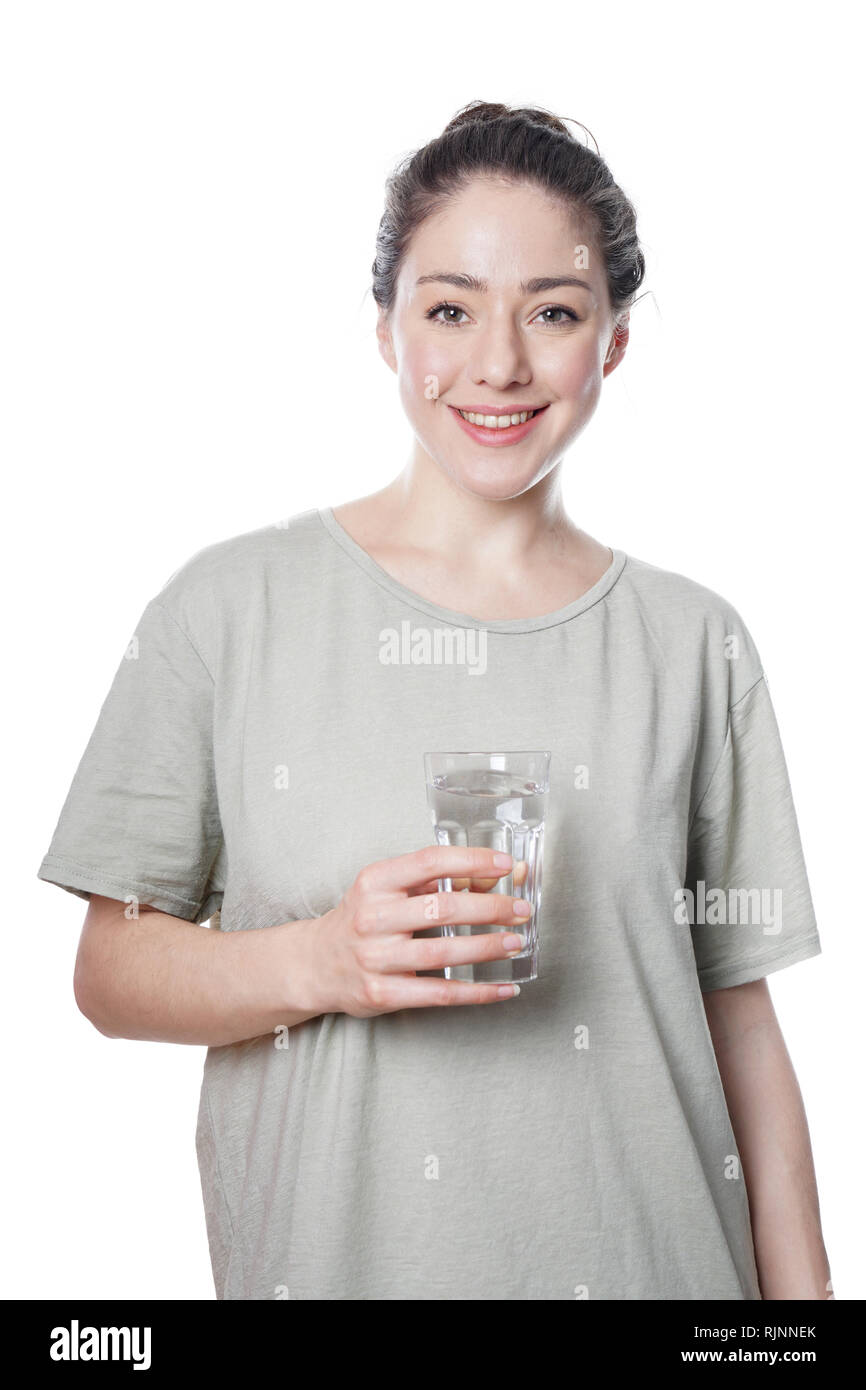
pixel 499 422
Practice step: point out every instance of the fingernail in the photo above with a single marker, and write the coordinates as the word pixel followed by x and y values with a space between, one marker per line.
pixel 508 991
pixel 522 908
pixel 502 861
pixel 512 942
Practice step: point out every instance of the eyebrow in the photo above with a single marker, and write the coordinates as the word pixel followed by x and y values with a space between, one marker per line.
pixel 540 285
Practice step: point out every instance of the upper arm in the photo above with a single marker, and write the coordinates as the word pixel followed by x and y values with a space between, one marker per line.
pixel 734 1011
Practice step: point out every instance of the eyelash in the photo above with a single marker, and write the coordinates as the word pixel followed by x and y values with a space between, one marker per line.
pixel 446 304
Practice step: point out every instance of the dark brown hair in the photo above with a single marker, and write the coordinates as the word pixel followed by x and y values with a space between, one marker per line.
pixel 520 143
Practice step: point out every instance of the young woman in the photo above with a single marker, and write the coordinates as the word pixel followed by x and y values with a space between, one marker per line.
pixel 628 1126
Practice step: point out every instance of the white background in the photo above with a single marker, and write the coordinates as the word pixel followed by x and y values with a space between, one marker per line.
pixel 191 198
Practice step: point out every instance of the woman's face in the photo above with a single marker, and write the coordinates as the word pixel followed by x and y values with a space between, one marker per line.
pixel 497 312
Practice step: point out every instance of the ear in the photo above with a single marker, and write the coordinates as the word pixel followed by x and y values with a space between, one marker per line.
pixel 386 342
pixel 618 345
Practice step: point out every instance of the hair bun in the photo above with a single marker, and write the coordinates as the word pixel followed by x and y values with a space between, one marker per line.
pixel 524 144
pixel 496 111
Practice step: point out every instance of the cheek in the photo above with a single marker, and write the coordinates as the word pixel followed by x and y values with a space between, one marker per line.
pixel 427 367
pixel 576 375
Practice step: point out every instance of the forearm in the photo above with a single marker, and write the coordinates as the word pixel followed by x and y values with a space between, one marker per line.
pixel 780 1179
pixel 161 979
pixel 769 1122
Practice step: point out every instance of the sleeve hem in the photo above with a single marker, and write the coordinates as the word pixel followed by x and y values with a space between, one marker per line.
pixel 75 878
pixel 726 976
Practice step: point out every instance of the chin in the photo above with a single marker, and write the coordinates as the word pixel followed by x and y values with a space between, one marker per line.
pixel 494 484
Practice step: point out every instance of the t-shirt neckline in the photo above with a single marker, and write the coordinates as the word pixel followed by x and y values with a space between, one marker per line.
pixel 381 576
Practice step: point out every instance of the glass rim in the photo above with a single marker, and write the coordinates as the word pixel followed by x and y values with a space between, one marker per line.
pixel 487 752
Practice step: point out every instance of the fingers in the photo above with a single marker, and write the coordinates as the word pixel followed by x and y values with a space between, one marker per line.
pixel 406 872
pixel 392 898
pixel 495 912
pixel 387 916
pixel 483 885
pixel 477 885
pixel 437 952
pixel 406 992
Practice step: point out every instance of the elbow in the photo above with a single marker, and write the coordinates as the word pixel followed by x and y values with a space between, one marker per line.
pixel 87 1000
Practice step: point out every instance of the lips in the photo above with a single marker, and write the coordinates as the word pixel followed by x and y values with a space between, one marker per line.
pixel 498 435
pixel 495 420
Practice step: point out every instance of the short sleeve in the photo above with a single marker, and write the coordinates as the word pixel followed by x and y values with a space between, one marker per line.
pixel 750 906
pixel 141 817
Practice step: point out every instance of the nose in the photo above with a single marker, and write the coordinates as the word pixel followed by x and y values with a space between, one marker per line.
pixel 500 355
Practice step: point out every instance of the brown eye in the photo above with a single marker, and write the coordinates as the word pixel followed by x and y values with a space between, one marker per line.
pixel 433 314
pixel 570 315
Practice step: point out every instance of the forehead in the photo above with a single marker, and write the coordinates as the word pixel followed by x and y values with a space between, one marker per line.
pixel 500 231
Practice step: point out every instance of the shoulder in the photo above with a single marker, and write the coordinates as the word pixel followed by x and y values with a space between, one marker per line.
pixel 666 591
pixel 223 584
pixel 232 561
pixel 693 624
pixel 240 564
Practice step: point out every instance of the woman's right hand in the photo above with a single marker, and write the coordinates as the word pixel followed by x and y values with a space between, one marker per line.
pixel 365 956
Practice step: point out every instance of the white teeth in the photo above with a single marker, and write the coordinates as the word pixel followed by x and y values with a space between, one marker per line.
pixel 497 422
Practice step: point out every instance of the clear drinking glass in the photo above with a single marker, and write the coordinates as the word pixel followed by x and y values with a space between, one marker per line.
pixel 498 801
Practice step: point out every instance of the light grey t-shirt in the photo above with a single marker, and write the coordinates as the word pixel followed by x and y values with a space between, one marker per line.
pixel 262 741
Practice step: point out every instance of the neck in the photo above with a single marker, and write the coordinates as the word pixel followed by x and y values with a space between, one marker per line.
pixel 425 509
